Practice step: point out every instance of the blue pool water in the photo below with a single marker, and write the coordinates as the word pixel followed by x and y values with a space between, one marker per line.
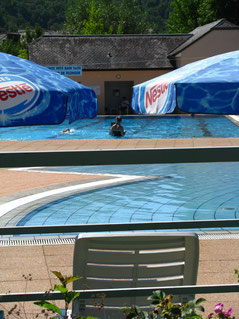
pixel 197 191
pixel 137 127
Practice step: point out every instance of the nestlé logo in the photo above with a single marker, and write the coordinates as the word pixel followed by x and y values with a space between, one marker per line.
pixel 17 94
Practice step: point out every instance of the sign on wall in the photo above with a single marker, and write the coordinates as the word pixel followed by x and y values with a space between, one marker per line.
pixel 66 70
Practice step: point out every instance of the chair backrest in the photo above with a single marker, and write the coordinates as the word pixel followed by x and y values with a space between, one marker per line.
pixel 133 259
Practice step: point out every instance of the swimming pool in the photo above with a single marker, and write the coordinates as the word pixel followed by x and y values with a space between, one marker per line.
pixel 137 127
pixel 176 192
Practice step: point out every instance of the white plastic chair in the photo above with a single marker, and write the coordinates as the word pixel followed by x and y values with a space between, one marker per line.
pixel 124 260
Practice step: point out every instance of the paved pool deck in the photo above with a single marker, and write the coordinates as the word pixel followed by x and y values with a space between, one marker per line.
pixel 62 145
pixel 28 268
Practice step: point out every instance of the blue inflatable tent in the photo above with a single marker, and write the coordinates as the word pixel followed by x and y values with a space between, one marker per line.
pixel 31 94
pixel 208 86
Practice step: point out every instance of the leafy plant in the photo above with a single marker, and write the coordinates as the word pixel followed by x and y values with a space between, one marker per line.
pixel 163 307
pixel 237 273
pixel 69 296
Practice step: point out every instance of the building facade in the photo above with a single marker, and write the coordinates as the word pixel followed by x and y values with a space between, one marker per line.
pixel 112 64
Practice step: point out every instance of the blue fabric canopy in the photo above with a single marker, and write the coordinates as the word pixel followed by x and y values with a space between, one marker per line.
pixel 33 94
pixel 208 86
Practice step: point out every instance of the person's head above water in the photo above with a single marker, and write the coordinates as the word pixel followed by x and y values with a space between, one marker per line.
pixel 118 119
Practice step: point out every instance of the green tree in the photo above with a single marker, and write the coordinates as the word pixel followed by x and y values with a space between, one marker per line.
pixel 11 47
pixel 95 22
pixel 211 10
pixel 20 48
pixel 186 15
pixel 183 17
pixel 157 13
pixel 106 17
pixel 228 9
pixel 16 14
pixel 206 13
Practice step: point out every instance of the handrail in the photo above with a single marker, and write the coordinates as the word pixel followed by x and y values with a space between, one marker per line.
pixel 190 224
pixel 123 292
pixel 119 157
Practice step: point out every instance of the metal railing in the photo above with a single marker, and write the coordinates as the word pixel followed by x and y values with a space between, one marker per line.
pixel 59 229
pixel 122 292
pixel 119 157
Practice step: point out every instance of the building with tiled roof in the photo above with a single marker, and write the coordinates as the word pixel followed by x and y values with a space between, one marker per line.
pixel 112 64
pixel 106 52
pixel 213 38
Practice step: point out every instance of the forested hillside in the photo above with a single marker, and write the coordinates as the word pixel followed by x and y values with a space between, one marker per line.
pixel 157 12
pixel 114 16
pixel 50 14
pixel 17 14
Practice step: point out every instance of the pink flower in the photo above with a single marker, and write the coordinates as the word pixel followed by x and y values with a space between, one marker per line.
pixel 219 308
pixel 210 315
pixel 220 312
pixel 229 312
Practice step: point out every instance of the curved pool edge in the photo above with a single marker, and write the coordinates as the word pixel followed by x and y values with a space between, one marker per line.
pixel 13 209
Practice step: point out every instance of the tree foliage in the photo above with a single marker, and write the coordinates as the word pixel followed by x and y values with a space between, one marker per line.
pixel 20 47
pixel 106 17
pixel 228 9
pixel 115 16
pixel 17 14
pixel 186 15
pixel 157 12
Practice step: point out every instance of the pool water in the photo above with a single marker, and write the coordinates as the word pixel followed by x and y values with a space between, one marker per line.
pixel 137 127
pixel 176 192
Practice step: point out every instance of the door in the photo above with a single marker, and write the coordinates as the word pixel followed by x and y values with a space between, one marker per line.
pixel 115 92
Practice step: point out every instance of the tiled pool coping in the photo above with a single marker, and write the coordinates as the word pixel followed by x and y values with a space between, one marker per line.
pixel 64 145
pixel 70 239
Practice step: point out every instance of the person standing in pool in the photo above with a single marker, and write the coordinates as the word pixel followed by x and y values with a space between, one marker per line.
pixel 124 106
pixel 116 128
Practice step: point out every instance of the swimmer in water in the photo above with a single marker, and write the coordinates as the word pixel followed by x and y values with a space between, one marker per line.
pixel 67 130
